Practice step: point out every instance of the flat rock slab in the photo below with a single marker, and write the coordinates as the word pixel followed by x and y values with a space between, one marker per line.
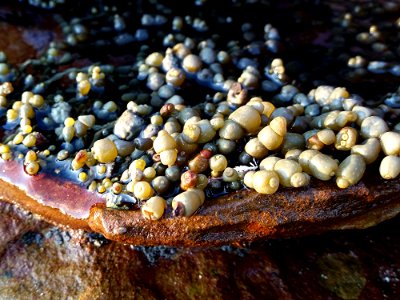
pixel 236 218
pixel 248 216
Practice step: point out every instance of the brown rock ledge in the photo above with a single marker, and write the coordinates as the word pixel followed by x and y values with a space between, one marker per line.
pixel 247 216
pixel 233 219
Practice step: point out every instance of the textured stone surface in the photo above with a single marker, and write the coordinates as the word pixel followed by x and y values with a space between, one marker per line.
pixel 248 216
pixel 29 38
pixel 238 217
pixel 39 261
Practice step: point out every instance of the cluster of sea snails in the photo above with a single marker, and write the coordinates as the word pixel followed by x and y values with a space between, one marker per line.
pixel 192 119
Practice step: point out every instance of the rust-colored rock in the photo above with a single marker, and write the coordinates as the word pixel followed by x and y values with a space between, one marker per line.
pixel 25 42
pixel 232 219
pixel 304 268
pixel 248 216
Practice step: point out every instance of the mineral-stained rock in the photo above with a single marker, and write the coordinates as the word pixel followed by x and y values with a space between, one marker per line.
pixel 248 216
pixel 39 261
pixel 232 219
pixel 239 217
pixel 20 42
pixel 342 274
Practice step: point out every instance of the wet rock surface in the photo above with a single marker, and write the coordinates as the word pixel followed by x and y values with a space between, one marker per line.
pixel 341 265
pixel 239 217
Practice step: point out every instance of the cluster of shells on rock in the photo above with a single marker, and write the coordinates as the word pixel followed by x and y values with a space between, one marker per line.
pixel 192 117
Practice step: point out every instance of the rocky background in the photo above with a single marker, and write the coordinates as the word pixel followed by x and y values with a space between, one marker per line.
pixel 40 261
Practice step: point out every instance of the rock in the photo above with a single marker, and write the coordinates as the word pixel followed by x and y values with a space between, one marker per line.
pixel 87 266
pixel 290 212
pixel 239 217
pixel 342 274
